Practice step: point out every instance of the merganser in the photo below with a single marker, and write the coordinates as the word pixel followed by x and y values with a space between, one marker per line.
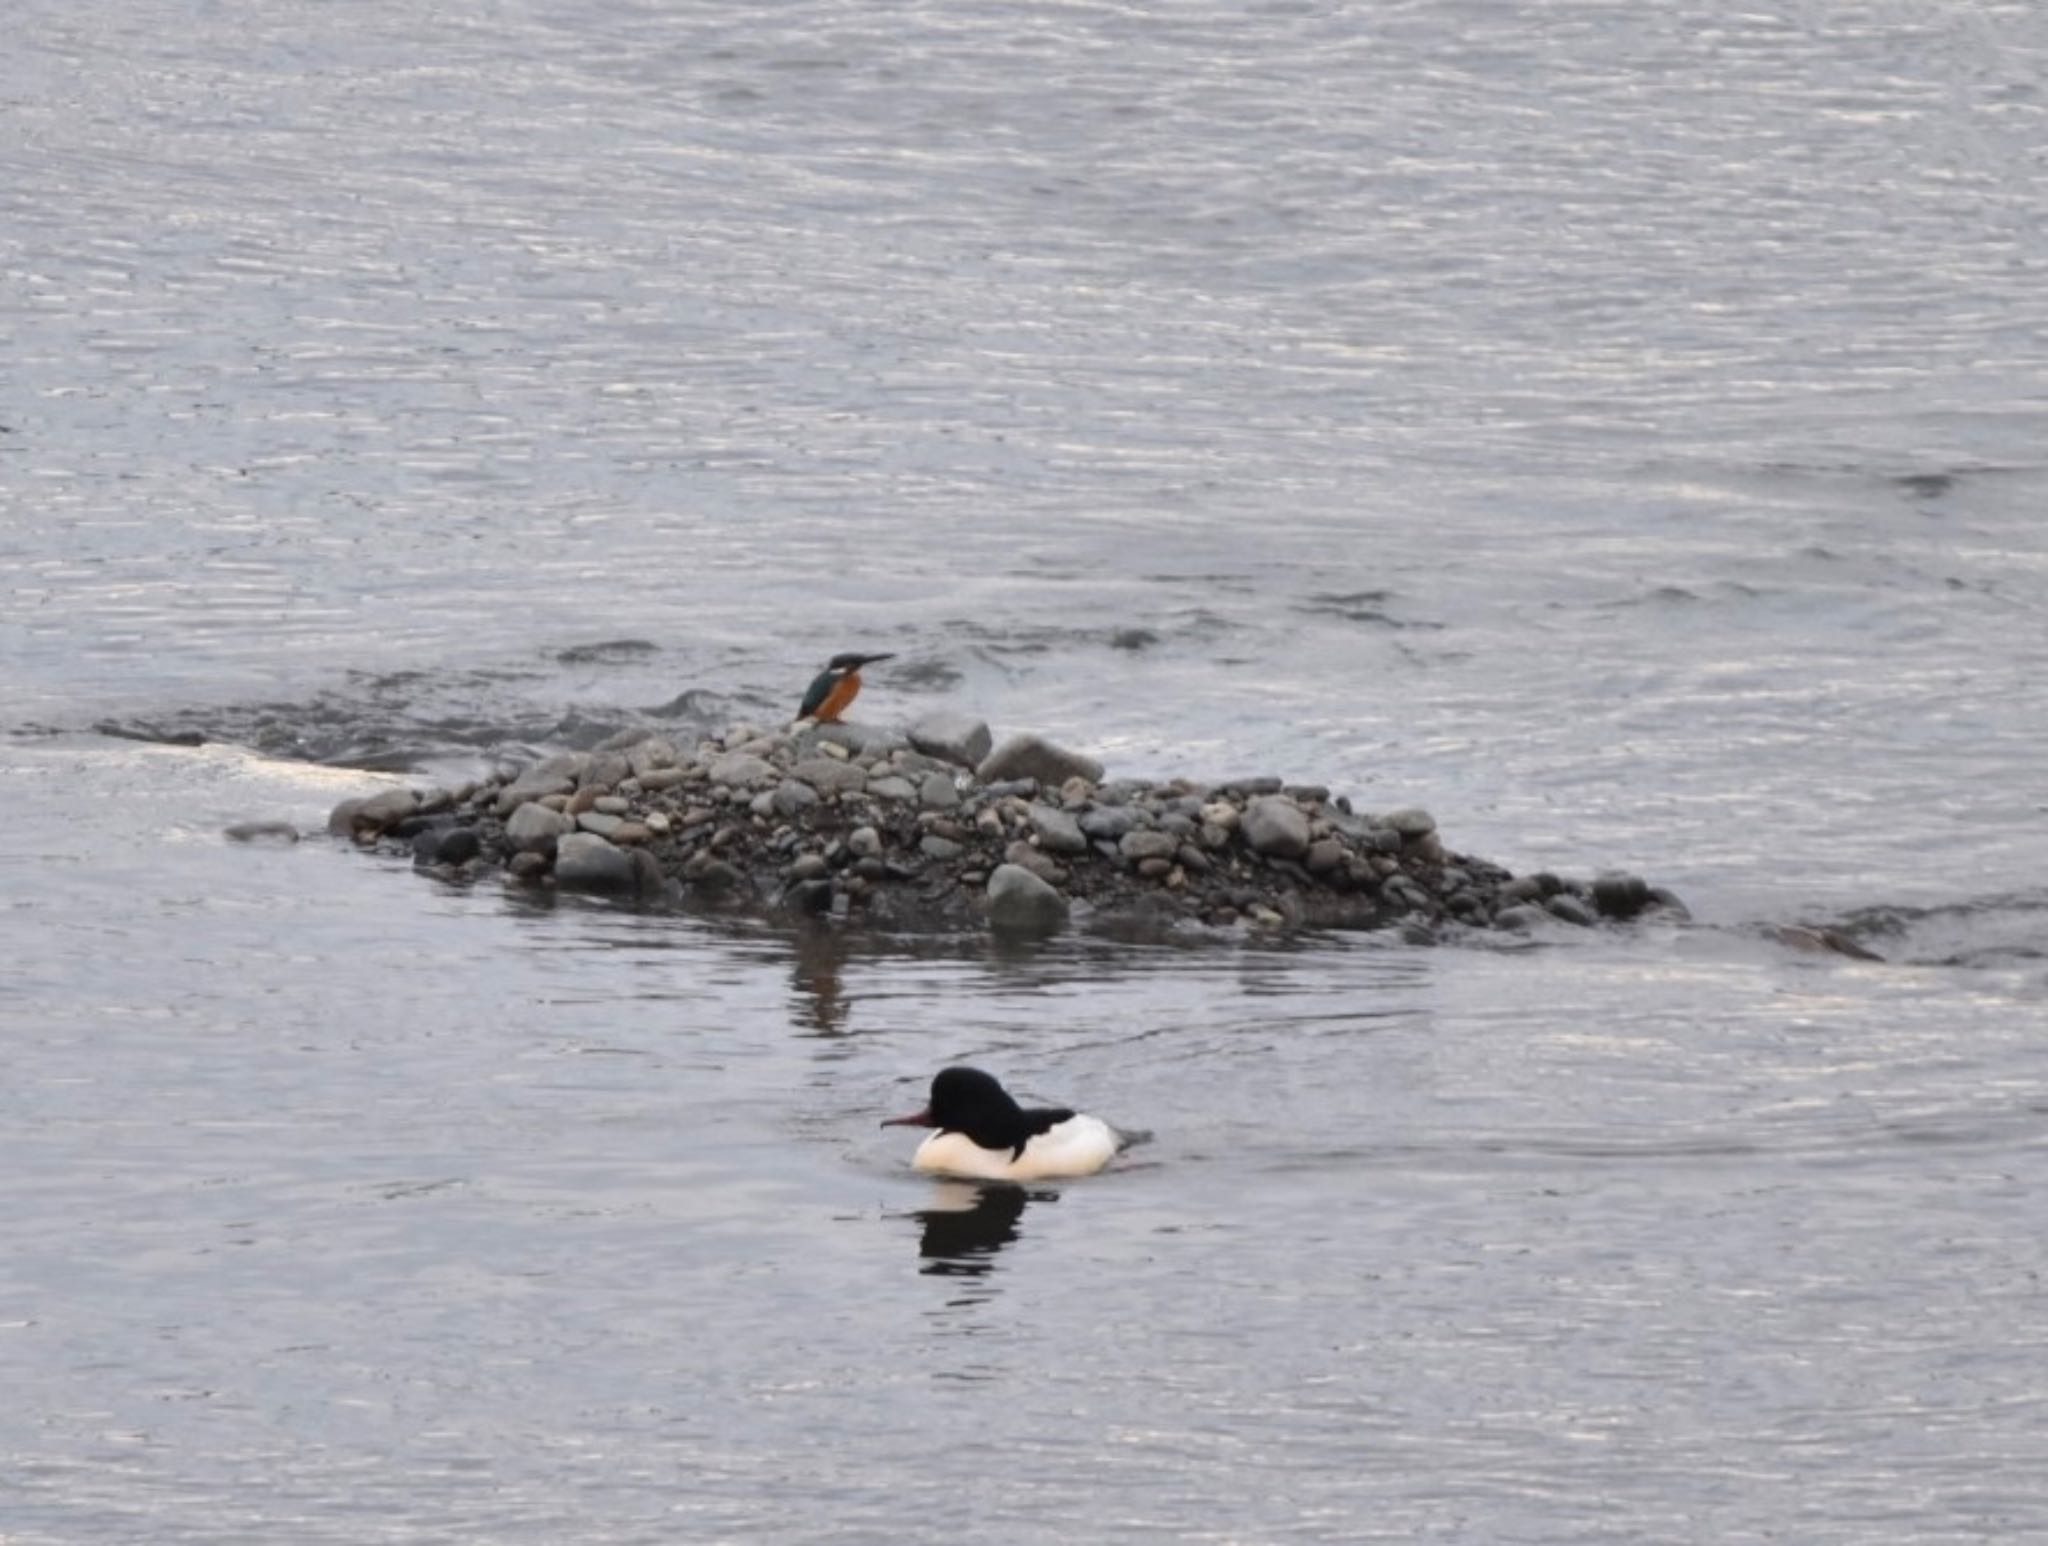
pixel 984 1135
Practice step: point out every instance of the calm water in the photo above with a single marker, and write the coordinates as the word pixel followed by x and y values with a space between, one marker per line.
pixel 1616 428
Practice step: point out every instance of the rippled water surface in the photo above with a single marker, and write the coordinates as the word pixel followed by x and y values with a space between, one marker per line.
pixel 1617 428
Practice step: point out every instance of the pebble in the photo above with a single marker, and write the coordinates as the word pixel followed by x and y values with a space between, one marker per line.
pixel 658 822
pixel 938 792
pixel 891 787
pixel 864 842
pixel 1021 902
pixel 457 845
pixel 933 846
pixel 632 833
pixel 1412 821
pixel 657 779
pixel 1324 856
pixel 527 867
pixel 808 867
pixel 613 805
pixel 600 823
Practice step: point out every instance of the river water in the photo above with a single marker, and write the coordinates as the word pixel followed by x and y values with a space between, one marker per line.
pixel 1617 428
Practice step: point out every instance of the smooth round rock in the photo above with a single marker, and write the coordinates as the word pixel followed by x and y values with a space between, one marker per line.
pixel 387 809
pixel 458 845
pixel 1413 821
pixel 1572 910
pixel 586 862
pixel 1020 902
pixel 829 777
pixel 740 769
pixel 1275 826
pixel 1620 896
pixel 533 828
pixel 1146 844
pixel 1057 831
pixel 1107 823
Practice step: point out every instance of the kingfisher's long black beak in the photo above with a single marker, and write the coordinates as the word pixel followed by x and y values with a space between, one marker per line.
pixel 868 660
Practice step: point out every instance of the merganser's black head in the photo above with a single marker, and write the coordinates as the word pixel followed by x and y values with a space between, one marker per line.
pixel 966 1100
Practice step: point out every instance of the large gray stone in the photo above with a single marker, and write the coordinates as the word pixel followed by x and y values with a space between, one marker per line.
pixel 1108 822
pixel 586 862
pixel 555 775
pixel 742 770
pixel 536 829
pixel 1057 831
pixel 1141 845
pixel 792 797
pixel 828 775
pixel 1032 756
pixel 605 770
pixel 938 792
pixel 860 740
pixel 957 738
pixel 1019 902
pixel 646 756
pixel 1412 821
pixel 1274 825
pixel 387 809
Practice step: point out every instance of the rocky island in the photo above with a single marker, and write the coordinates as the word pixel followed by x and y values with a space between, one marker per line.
pixel 937 827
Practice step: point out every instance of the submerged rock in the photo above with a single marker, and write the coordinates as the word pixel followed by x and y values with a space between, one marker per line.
pixel 1021 902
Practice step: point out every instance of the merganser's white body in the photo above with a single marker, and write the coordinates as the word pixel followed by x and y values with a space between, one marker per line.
pixel 1079 1146
pixel 981 1134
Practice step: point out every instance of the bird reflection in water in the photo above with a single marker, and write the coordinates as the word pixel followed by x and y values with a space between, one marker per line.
pixel 817 963
pixel 968 1223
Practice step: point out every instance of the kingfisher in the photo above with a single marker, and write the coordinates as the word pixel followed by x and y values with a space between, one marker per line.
pixel 837 686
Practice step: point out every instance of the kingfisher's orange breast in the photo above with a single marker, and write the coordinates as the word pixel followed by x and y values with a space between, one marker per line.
pixel 843 692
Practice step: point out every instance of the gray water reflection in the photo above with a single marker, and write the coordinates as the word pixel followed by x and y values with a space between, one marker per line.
pixel 571 1221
